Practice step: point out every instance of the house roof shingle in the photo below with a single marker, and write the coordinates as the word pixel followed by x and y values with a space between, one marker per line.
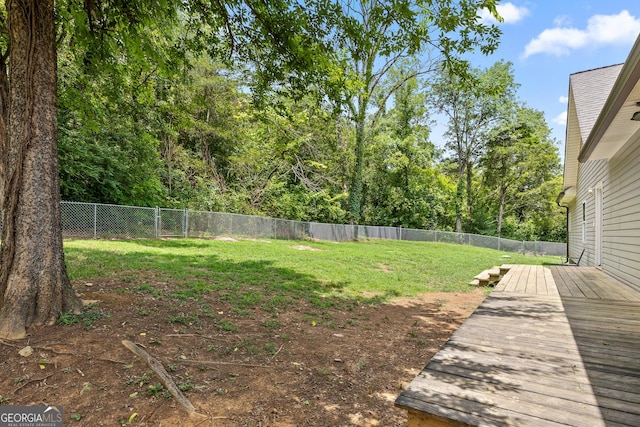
pixel 590 92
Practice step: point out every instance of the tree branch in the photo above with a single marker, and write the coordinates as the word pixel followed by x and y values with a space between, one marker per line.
pixel 162 374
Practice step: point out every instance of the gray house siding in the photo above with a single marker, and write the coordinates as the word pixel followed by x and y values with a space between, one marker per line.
pixel 602 168
pixel 620 183
pixel 622 215
pixel 589 175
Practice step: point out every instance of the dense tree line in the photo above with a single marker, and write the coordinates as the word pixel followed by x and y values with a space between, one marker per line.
pixel 194 137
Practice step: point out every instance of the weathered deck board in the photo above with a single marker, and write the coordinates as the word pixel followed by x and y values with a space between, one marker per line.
pixel 551 345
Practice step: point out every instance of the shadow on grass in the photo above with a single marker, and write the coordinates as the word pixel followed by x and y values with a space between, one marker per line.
pixel 243 284
pixel 170 243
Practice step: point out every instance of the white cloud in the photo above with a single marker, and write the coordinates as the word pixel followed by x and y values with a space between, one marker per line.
pixel 601 30
pixel 509 12
pixel 563 99
pixel 563 21
pixel 560 119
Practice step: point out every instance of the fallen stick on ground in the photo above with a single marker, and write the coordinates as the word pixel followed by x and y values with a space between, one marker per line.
pixel 209 337
pixel 34 380
pixel 162 373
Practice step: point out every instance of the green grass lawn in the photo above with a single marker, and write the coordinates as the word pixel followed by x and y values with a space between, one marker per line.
pixel 249 269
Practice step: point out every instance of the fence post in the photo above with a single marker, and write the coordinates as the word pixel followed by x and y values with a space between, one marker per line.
pixel 185 223
pixel 95 221
pixel 156 218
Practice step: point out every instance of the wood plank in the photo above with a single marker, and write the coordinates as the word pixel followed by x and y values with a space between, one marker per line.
pixel 601 285
pixel 572 288
pixel 521 286
pixel 532 280
pixel 605 381
pixel 524 402
pixel 552 288
pixel 541 285
pixel 551 393
pixel 420 419
pixel 466 412
pixel 512 278
pixel 483 278
pixel 580 282
pixel 504 269
pixel 612 289
pixel 506 279
pixel 561 285
pixel 521 345
pixel 550 346
pixel 549 387
pixel 500 285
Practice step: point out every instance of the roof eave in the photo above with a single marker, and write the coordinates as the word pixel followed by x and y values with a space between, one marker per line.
pixel 626 81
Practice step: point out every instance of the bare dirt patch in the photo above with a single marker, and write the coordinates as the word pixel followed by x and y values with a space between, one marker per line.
pixel 339 365
pixel 385 268
pixel 305 248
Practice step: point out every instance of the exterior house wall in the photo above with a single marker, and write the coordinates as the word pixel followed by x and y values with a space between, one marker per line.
pixel 622 215
pixel 620 183
pixel 589 175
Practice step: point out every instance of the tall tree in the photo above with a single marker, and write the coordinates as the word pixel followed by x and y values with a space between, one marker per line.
pixel 520 157
pixel 34 286
pixel 472 106
pixel 402 184
pixel 370 37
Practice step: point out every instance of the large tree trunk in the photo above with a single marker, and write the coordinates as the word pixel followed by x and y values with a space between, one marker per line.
pixel 503 196
pixel 355 192
pixel 34 286
pixel 460 193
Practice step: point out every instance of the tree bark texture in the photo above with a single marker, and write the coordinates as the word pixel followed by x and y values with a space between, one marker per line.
pixel 34 286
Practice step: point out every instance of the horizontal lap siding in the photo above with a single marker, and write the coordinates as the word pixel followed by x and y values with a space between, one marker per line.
pixel 589 175
pixel 621 240
pixel 575 236
pixel 620 178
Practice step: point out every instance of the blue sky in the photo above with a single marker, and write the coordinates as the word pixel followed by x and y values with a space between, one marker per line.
pixel 547 40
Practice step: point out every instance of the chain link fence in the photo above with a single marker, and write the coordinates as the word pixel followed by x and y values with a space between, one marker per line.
pixel 101 221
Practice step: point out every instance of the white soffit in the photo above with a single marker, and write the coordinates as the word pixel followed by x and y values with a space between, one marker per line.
pixel 567 196
pixel 621 130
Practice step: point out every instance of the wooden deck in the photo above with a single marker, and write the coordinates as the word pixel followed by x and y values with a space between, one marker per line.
pixel 549 346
